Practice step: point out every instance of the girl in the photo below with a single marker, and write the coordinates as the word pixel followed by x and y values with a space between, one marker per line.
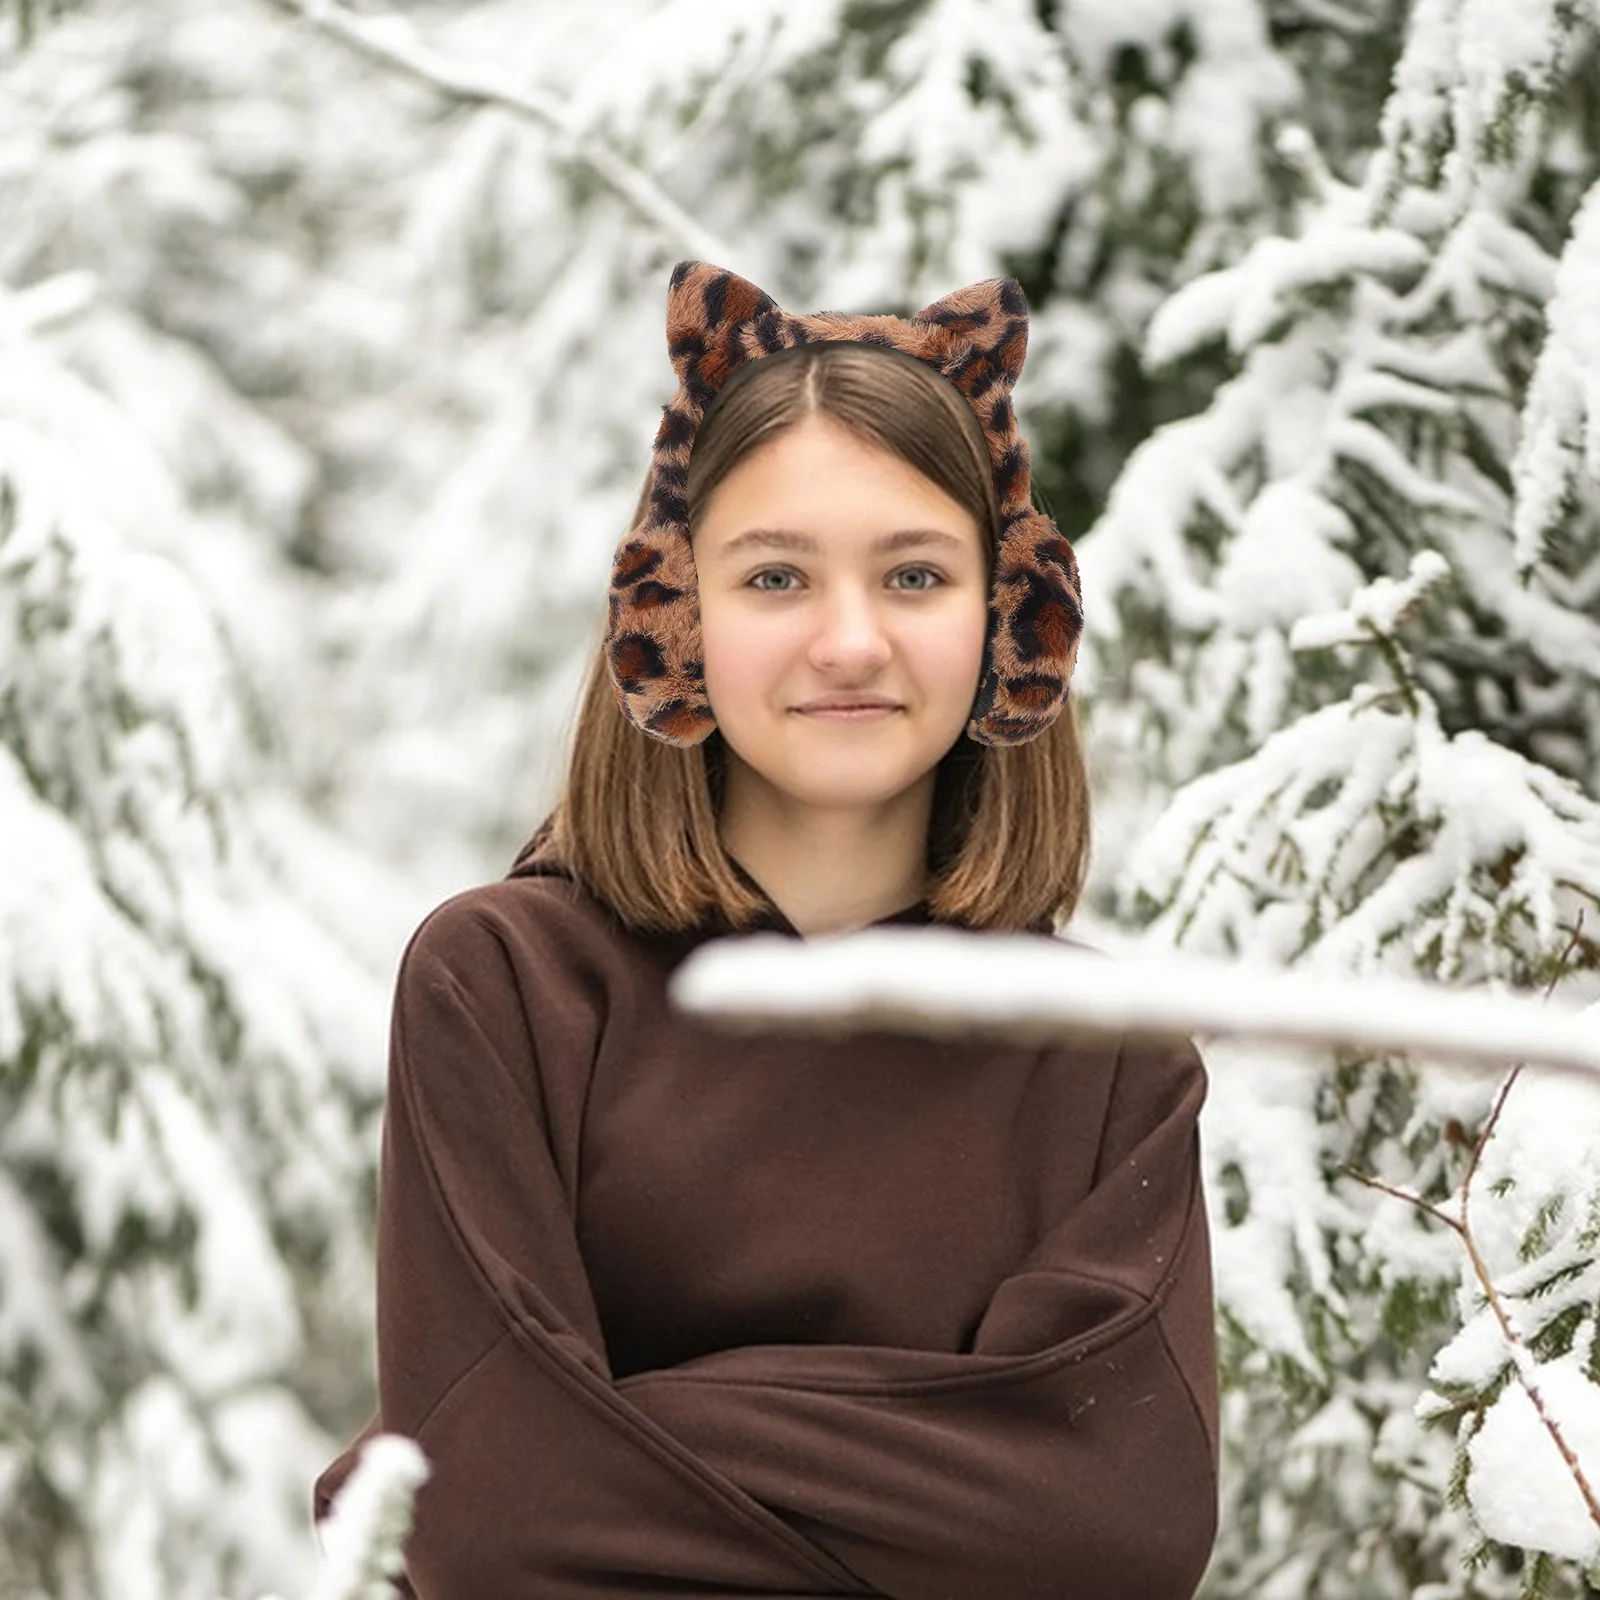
pixel 674 1311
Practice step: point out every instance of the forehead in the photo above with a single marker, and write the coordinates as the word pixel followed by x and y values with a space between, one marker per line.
pixel 818 476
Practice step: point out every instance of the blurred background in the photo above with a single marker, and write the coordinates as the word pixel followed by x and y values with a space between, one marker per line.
pixel 331 351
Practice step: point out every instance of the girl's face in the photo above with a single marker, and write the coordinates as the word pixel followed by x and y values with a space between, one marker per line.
pixel 802 595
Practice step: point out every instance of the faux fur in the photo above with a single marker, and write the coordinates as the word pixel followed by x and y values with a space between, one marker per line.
pixel 976 338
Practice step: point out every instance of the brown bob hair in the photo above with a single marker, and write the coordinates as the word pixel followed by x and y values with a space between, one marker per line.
pixel 636 820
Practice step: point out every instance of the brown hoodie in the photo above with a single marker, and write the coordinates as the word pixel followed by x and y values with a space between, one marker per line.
pixel 678 1312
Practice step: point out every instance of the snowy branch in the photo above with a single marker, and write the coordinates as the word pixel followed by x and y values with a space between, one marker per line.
pixel 1560 442
pixel 939 981
pixel 370 1520
pixel 1516 1344
pixel 1523 1363
pixel 393 43
pixel 1522 1360
pixel 45 304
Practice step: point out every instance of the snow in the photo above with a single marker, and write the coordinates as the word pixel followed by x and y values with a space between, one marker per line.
pixel 363 1534
pixel 1284 699
pixel 644 53
pixel 57 931
pixel 1236 83
pixel 1478 802
pixel 1068 350
pixel 1464 63
pixel 1532 1208
pixel 177 1027
pixel 1246 303
pixel 1377 609
pixel 1522 1491
pixel 1560 636
pixel 926 117
pixel 1259 1118
pixel 1368 446
pixel 1285 561
pixel 34 1314
pixel 937 980
pixel 1175 472
pixel 1561 420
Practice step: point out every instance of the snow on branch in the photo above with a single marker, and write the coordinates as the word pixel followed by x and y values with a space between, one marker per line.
pixel 366 1530
pixel 1471 76
pixel 942 981
pixel 1375 611
pixel 1561 422
pixel 1305 841
pixel 1246 303
pixel 1565 1524
pixel 392 42
pixel 43 305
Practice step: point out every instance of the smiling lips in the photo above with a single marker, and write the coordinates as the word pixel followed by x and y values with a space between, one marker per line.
pixel 849 700
pixel 851 713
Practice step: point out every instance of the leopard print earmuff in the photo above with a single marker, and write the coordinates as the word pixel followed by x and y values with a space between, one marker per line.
pixel 975 338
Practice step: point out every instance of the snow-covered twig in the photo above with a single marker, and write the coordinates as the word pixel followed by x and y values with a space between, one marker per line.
pixel 371 1516
pixel 1461 1225
pixel 46 304
pixel 1560 435
pixel 942 980
pixel 392 42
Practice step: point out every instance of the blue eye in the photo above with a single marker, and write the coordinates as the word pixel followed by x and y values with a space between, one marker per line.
pixel 768 589
pixel 762 574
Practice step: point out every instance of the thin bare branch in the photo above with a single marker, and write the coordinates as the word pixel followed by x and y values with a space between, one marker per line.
pixel 1485 1134
pixel 1562 963
pixel 1402 1194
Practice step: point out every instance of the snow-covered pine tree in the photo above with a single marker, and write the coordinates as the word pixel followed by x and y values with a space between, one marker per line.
pixel 1350 620
pixel 190 1061
pixel 239 187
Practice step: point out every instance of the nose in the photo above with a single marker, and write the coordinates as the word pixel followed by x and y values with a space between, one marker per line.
pixel 850 630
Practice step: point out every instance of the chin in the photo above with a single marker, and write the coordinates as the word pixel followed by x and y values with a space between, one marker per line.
pixel 845 777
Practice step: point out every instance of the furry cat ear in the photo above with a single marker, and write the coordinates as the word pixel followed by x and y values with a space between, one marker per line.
pixel 706 306
pixel 992 317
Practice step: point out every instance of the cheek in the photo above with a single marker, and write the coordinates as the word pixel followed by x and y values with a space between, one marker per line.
pixel 740 648
pixel 950 649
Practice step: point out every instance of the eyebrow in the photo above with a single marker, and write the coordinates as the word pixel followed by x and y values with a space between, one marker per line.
pixel 793 539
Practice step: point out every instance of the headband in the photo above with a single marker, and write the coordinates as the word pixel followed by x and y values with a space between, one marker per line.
pixel 975 338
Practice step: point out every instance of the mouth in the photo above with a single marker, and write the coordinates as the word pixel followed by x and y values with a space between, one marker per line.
pixel 849 713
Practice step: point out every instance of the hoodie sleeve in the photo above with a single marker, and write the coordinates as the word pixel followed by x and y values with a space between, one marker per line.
pixel 543 1483
pixel 1150 1156
pixel 472 1216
